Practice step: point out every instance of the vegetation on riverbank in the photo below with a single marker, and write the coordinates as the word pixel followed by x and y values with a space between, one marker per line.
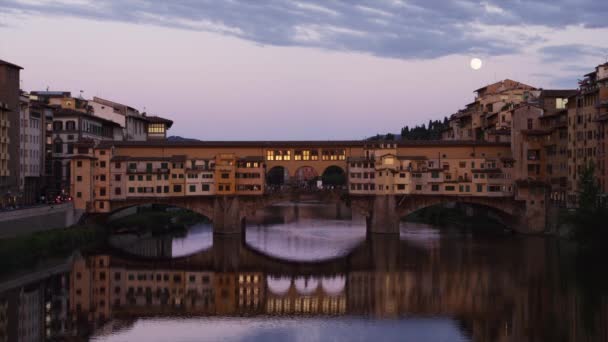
pixel 590 220
pixel 27 251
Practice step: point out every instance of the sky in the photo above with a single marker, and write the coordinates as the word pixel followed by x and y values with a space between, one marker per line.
pixel 293 70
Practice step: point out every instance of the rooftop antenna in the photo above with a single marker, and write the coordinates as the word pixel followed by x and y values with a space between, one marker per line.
pixel 82 91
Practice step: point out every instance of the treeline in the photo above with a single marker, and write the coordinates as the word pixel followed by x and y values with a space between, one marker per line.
pixel 432 131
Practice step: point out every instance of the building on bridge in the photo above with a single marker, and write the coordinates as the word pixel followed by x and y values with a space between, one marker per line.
pixel 233 177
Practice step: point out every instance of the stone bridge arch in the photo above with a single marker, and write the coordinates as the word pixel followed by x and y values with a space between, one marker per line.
pixel 200 205
pixel 384 212
pixel 508 209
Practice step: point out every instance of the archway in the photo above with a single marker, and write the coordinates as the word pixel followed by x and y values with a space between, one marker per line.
pixel 306 177
pixel 334 176
pixel 461 214
pixel 277 176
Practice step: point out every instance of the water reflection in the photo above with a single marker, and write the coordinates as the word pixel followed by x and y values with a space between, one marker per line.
pixel 429 285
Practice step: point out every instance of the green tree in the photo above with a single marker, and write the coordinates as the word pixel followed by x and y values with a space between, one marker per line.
pixel 590 217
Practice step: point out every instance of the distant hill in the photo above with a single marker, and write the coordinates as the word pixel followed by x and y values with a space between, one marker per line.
pixel 178 138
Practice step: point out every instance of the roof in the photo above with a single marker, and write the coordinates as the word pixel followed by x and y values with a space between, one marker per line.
pixel 63 112
pixel 2 62
pixel 158 119
pixel 297 143
pixel 501 82
pixel 111 103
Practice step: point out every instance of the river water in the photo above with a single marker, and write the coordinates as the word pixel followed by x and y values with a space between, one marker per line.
pixel 309 273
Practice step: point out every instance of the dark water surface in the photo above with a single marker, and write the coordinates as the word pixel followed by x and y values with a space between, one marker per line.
pixel 310 273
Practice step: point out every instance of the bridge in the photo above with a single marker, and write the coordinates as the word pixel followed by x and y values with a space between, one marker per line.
pixel 383 180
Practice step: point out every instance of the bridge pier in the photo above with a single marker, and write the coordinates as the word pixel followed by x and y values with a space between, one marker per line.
pixel 227 215
pixel 383 217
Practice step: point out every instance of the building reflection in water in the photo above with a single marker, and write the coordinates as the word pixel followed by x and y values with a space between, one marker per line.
pixel 492 293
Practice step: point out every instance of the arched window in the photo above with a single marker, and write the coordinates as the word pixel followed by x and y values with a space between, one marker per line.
pixel 70 125
pixel 57 125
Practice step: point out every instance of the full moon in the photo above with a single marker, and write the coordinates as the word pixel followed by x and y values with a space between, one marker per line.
pixel 476 64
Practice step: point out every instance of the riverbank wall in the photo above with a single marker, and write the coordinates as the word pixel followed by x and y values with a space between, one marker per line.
pixel 31 220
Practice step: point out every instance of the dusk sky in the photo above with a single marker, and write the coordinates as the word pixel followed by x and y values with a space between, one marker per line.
pixel 240 69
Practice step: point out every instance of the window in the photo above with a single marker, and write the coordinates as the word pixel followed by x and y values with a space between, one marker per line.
pixel 450 188
pixel 117 191
pixel 102 164
pixel 418 186
pixel 117 165
pixel 79 194
pixel 156 128
pixel 131 190
pixel 530 124
pixel 434 187
pixel 70 125
pixel 117 178
pixel 159 189
pixel 192 188
pixel 269 155
pixel 479 187
pixel 79 163
pixel 57 126
pixel 102 191
pixel 225 176
pixel 79 178
pixel 177 188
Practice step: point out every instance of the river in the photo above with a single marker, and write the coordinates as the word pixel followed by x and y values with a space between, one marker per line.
pixel 309 273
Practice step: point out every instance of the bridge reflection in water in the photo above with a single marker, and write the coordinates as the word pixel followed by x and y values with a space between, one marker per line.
pixel 490 292
pixel 429 285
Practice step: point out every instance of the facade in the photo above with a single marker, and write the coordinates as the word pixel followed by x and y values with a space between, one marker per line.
pixel 133 123
pixel 71 127
pixel 587 111
pixel 31 156
pixel 9 124
pixel 114 172
pixel 488 118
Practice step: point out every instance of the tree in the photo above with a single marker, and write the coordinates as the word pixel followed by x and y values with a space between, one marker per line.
pixel 589 219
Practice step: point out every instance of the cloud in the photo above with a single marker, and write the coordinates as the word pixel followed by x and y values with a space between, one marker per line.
pixel 405 29
pixel 571 53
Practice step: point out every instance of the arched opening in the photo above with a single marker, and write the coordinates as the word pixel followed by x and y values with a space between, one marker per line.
pixel 159 231
pixel 333 176
pixel 306 177
pixel 277 176
pixel 461 215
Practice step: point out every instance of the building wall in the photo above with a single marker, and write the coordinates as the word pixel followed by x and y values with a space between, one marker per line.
pixel 9 95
